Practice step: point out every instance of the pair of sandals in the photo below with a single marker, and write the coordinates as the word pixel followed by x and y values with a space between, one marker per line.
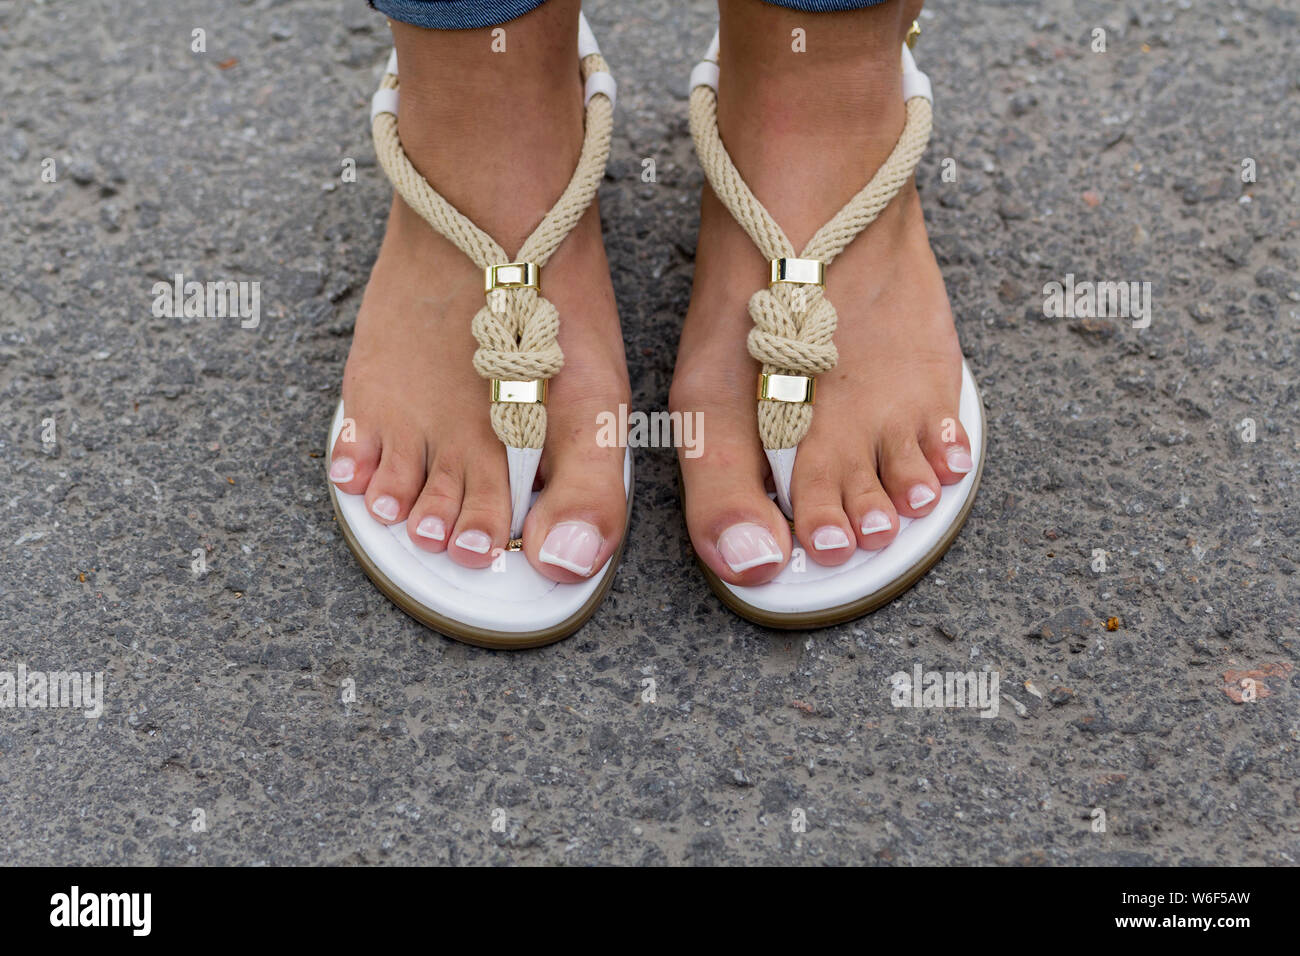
pixel 512 605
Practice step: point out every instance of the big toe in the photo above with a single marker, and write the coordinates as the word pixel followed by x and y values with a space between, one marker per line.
pixel 581 514
pixel 735 528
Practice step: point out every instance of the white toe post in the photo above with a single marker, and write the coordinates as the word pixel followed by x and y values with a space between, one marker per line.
pixel 781 461
pixel 523 464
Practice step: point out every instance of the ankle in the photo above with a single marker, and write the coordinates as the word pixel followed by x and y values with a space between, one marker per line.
pixel 822 77
pixel 496 131
pixel 809 123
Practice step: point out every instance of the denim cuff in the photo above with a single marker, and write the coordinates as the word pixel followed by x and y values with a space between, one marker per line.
pixel 454 14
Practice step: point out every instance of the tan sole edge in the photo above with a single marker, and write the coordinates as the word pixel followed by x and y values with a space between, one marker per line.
pixel 478 636
pixel 811 620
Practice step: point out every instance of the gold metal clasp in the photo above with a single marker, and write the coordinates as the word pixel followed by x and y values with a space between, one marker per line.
pixel 913 34
pixel 797 389
pixel 511 275
pixel 798 271
pixel 523 393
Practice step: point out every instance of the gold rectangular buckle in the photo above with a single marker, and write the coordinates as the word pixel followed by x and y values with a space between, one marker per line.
pixel 524 393
pixel 511 275
pixel 798 271
pixel 797 389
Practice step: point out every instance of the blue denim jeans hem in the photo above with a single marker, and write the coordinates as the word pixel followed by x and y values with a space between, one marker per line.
pixel 824 6
pixel 454 14
pixel 473 14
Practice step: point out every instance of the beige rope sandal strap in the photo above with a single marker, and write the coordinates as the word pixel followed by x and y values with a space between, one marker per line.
pixel 516 330
pixel 794 322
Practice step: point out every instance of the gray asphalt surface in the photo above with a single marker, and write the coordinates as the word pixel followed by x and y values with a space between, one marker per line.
pixel 224 689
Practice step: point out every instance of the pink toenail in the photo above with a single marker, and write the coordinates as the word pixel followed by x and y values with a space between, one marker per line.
pixel 959 460
pixel 572 545
pixel 342 470
pixel 745 546
pixel 476 541
pixel 830 538
pixel 919 497
pixel 431 527
pixel 876 521
pixel 385 508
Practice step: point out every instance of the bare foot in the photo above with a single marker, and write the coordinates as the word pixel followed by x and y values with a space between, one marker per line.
pixel 424 449
pixel 885 432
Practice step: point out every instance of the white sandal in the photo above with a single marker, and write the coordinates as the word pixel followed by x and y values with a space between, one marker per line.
pixel 509 605
pixel 792 339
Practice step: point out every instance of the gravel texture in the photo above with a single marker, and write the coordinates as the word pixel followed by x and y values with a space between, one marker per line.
pixel 224 689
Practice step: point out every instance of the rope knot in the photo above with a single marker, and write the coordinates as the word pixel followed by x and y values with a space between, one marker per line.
pixel 794 327
pixel 516 332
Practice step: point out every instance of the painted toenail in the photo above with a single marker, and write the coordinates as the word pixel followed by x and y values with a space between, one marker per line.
pixel 431 527
pixel 959 460
pixel 342 470
pixel 385 508
pixel 873 522
pixel 919 496
pixel 572 545
pixel 476 541
pixel 745 546
pixel 830 538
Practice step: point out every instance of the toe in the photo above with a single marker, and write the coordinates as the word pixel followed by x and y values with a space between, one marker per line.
pixel 434 513
pixel 946 447
pixel 736 529
pixel 354 458
pixel 907 475
pixel 397 480
pixel 482 527
pixel 578 520
pixel 819 519
pixel 870 511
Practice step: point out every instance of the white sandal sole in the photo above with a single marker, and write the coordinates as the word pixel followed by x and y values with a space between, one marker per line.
pixel 509 605
pixel 815 595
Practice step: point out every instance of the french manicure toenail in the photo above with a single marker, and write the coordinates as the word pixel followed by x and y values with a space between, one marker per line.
pixel 920 496
pixel 572 545
pixel 830 538
pixel 385 508
pixel 342 470
pixel 873 522
pixel 745 546
pixel 431 527
pixel 476 541
pixel 959 460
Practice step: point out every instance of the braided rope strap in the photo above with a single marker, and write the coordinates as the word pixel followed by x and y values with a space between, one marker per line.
pixel 517 328
pixel 794 325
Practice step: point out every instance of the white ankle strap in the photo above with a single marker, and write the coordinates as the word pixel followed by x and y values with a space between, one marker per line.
pixel 385 101
pixel 915 82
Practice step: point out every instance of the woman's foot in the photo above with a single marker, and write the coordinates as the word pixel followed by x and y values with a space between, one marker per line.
pixel 498 134
pixel 807 130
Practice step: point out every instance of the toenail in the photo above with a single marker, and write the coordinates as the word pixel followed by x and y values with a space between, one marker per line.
pixel 342 470
pixel 919 496
pixel 572 545
pixel 431 527
pixel 745 546
pixel 959 460
pixel 875 521
pixel 830 538
pixel 385 508
pixel 476 541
